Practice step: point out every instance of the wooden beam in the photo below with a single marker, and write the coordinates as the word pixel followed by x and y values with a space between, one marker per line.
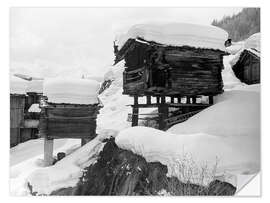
pixel 48 151
pixel 148 99
pixel 188 99
pixel 135 112
pixel 163 113
pixel 158 100
pixel 172 100
pixel 211 100
pixel 193 99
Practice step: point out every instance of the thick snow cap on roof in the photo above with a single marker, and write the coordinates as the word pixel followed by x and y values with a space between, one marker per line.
pixel 178 34
pixel 253 42
pixel 17 85
pixel 35 86
pixel 71 91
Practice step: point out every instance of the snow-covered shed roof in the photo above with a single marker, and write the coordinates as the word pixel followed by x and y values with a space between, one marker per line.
pixel 177 34
pixel 71 91
pixel 253 42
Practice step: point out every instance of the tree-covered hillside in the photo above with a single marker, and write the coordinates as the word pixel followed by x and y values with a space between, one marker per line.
pixel 241 25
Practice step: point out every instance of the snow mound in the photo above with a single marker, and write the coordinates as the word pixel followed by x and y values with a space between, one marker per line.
pixel 27 157
pixel 178 34
pixel 224 137
pixel 73 91
pixel 34 108
pixel 35 86
pixel 18 85
pixel 66 172
pixel 253 42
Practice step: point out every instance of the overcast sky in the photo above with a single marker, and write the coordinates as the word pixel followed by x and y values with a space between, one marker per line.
pixel 53 41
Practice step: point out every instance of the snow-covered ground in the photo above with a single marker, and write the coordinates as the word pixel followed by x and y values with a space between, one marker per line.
pixel 27 157
pixel 178 34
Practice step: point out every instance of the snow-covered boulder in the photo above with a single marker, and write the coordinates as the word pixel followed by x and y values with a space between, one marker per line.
pixel 18 85
pixel 71 91
pixel 35 86
pixel 178 34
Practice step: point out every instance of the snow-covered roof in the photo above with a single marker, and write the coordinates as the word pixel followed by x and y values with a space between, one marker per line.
pixel 34 108
pixel 253 42
pixel 18 85
pixel 35 86
pixel 178 34
pixel 71 91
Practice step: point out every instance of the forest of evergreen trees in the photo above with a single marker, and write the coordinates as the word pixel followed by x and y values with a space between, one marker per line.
pixel 241 25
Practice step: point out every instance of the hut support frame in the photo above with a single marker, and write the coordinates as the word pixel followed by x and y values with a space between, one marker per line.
pixel 189 108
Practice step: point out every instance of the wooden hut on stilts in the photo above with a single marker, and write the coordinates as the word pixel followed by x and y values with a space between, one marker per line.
pixel 177 64
pixel 69 111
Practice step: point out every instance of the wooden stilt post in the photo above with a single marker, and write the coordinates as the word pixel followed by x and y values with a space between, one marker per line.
pixel 163 113
pixel 188 99
pixel 148 99
pixel 172 100
pixel 135 112
pixel 48 151
pixel 193 100
pixel 158 100
pixel 179 100
pixel 211 100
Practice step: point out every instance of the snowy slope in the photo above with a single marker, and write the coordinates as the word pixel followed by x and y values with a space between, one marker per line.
pixel 66 172
pixel 113 116
pixel 27 157
pixel 178 34
pixel 228 131
pixel 70 90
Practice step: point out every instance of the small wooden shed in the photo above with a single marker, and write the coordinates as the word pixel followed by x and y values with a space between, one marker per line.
pixel 247 68
pixel 17 105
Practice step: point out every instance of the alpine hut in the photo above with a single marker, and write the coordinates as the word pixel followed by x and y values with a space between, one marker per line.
pixel 70 111
pixel 176 60
pixel 247 65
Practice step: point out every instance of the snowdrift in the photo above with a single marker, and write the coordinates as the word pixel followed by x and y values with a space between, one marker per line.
pixel 224 138
pixel 66 172
pixel 71 91
pixel 178 34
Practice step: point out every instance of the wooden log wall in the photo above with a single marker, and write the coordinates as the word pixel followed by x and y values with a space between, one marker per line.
pixel 187 70
pixel 68 121
pixel 17 104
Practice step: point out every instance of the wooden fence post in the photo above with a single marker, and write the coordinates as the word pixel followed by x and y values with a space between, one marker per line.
pixel 48 151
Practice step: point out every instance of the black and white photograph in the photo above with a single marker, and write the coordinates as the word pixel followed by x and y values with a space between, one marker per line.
pixel 134 101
